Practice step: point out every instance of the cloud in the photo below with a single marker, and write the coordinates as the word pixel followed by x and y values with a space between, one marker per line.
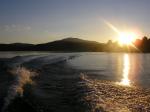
pixel 15 28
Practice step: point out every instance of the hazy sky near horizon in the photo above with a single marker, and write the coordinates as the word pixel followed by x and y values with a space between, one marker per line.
pixel 38 21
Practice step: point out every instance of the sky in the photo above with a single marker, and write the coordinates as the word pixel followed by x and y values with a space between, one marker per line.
pixel 40 21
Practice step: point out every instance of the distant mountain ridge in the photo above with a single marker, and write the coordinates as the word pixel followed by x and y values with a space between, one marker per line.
pixel 66 45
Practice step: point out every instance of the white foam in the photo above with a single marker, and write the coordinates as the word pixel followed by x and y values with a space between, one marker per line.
pixel 23 77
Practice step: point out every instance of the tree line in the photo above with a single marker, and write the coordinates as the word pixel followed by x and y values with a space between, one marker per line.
pixel 139 45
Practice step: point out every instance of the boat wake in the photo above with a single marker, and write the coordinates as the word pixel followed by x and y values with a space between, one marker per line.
pixel 49 84
pixel 107 96
pixel 22 77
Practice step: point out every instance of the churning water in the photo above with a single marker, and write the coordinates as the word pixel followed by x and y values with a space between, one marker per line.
pixel 74 82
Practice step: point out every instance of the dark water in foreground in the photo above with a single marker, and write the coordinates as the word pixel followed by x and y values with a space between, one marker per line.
pixel 74 82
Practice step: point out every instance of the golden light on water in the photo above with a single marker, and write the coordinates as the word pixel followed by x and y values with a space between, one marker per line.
pixel 124 38
pixel 126 67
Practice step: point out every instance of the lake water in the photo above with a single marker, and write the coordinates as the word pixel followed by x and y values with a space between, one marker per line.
pixel 75 82
pixel 107 66
pixel 116 66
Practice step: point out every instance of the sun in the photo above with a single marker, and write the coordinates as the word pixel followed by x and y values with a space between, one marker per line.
pixel 127 38
pixel 124 38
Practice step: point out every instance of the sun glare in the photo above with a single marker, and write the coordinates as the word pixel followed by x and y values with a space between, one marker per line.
pixel 126 38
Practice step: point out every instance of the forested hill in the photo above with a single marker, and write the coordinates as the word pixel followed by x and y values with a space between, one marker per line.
pixel 79 45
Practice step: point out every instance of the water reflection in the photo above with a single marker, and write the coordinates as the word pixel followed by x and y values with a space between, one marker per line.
pixel 126 66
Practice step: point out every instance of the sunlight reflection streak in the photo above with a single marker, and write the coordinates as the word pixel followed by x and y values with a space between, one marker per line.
pixel 126 66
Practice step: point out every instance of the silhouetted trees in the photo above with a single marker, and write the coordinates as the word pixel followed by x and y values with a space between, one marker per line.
pixel 116 47
pixel 143 45
pixel 140 45
pixel 79 45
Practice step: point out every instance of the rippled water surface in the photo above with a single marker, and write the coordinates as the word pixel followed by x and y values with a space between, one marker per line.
pixel 74 82
pixel 129 68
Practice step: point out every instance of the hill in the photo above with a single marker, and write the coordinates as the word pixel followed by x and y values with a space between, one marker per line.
pixel 67 44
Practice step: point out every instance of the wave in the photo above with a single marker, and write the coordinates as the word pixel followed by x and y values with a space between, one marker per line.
pixel 20 67
pixel 57 87
pixel 36 61
pixel 107 96
pixel 22 77
pixel 18 60
pixel 47 60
